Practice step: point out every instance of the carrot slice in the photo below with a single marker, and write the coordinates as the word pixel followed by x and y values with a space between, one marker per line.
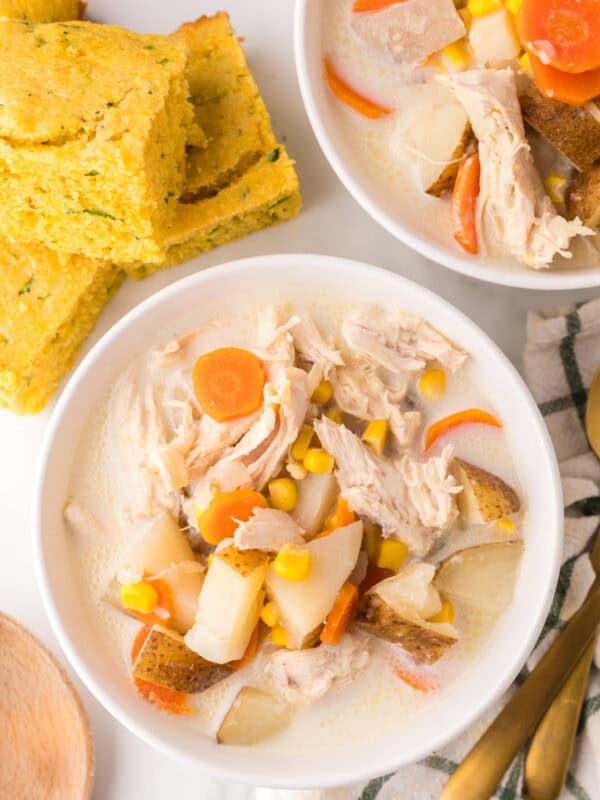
pixel 343 513
pixel 576 90
pixel 374 576
pixel 169 700
pixel 250 650
pixel 367 6
pixel 220 520
pixel 349 96
pixel 414 681
pixel 165 602
pixel 563 33
pixel 464 200
pixel 228 383
pixel 466 417
pixel 341 614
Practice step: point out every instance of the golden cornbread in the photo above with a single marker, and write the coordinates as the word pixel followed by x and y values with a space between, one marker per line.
pixel 42 10
pixel 93 126
pixel 243 180
pixel 50 302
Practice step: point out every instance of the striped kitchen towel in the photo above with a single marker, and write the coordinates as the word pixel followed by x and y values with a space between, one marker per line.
pixel 561 356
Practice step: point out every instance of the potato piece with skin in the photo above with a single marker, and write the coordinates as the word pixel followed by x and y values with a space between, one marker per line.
pixel 166 661
pixel 445 180
pixel 316 495
pixel 161 546
pixel 253 717
pixel 304 605
pixel 485 497
pixel 583 197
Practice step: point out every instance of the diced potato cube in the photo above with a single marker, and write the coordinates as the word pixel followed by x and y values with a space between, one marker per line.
pixel 161 545
pixel 316 496
pixel 494 38
pixel 253 717
pixel 485 497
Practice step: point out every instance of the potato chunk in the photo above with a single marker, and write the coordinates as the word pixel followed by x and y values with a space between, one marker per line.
pixel 161 545
pixel 254 716
pixel 485 497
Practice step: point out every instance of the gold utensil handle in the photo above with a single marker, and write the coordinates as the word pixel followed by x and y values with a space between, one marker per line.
pixel 550 751
pixel 483 767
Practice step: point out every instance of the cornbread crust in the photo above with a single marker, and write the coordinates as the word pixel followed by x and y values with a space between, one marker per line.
pixel 50 303
pixel 42 10
pixel 93 129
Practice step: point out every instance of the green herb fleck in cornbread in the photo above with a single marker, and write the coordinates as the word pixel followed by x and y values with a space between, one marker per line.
pixel 42 10
pixel 93 125
pixel 50 302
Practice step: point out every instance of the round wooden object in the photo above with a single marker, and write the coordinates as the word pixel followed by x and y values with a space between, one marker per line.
pixel 46 748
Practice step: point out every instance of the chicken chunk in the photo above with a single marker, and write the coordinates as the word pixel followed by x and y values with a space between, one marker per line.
pixel 304 676
pixel 175 350
pixel 269 529
pixel 399 341
pixel 513 210
pixel 411 31
pixel 412 501
pixel 275 342
pixel 312 346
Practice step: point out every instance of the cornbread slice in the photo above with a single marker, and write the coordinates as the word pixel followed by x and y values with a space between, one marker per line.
pixel 50 303
pixel 42 10
pixel 243 180
pixel 94 121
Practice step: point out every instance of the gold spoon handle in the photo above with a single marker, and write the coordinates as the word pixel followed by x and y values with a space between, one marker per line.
pixel 483 767
pixel 550 751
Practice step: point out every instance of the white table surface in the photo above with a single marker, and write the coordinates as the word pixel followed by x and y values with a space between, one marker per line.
pixel 330 223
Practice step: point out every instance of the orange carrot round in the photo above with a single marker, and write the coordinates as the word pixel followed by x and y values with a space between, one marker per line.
pixel 341 615
pixel 466 417
pixel 464 200
pixel 414 681
pixel 165 602
pixel 576 90
pixel 169 700
pixel 250 650
pixel 346 94
pixel 228 383
pixel 563 33
pixel 220 519
pixel 368 6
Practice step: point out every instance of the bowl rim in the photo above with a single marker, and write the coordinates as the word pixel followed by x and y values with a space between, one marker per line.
pixel 351 773
pixel 541 280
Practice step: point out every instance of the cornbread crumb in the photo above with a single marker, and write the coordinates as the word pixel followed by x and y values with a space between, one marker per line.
pixel 93 126
pixel 42 10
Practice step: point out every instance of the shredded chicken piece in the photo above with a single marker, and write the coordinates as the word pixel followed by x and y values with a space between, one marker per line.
pixel 512 208
pixel 361 393
pixel 275 342
pixel 175 350
pixel 312 346
pixel 414 512
pixel 268 529
pixel 399 341
pixel 411 31
pixel 304 676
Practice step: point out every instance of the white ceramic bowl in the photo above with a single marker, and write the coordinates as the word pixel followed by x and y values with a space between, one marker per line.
pixel 411 225
pixel 287 277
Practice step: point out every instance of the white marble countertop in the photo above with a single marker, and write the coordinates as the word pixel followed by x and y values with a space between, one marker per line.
pixel 331 223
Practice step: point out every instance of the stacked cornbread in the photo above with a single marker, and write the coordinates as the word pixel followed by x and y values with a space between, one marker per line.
pixel 124 155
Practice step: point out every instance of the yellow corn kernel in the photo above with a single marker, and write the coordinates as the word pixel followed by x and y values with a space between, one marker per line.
pixel 505 526
pixel 478 8
pixel 375 435
pixel 283 494
pixel 322 394
pixel 140 596
pixel 318 460
pixel 270 614
pixel 336 415
pixel 445 614
pixel 292 563
pixel 525 64
pixel 392 554
pixel 457 54
pixel 555 188
pixel 514 6
pixel 209 560
pixel 302 443
pixel 372 540
pixel 279 636
pixel 432 383
pixel 296 470
pixel 465 15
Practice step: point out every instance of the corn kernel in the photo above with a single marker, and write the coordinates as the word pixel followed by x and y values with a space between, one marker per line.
pixel 525 64
pixel 505 526
pixel 514 6
pixel 372 540
pixel 141 596
pixel 322 394
pixel 432 384
pixel 317 460
pixel 457 54
pixel 209 560
pixel 296 470
pixel 478 8
pixel 555 188
pixel 270 615
pixel 279 636
pixel 335 415
pixel 302 443
pixel 445 614
pixel 283 494
pixel 375 435
pixel 392 554
pixel 292 563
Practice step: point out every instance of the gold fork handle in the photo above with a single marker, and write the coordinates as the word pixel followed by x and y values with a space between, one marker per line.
pixel 550 751
pixel 483 767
